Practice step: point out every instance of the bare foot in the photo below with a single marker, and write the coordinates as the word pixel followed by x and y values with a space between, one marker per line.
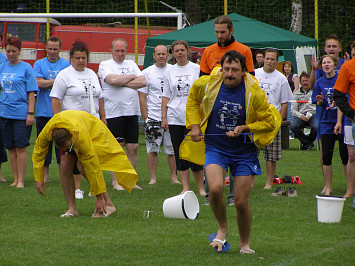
pixel 110 210
pixel 328 192
pixel 268 187
pixel 14 184
pixel 137 187
pixel 202 192
pixel 348 195
pixel 182 192
pixel 175 181
pixel 2 179
pixel 152 182
pixel 20 185
pixel 117 186
pixel 323 191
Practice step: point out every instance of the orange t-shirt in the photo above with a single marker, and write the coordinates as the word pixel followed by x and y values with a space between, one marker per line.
pixel 346 81
pixel 213 54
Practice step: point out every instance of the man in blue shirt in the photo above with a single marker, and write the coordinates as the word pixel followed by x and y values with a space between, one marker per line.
pixel 46 70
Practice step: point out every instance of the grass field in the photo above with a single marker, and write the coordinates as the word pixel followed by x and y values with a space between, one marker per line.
pixel 285 230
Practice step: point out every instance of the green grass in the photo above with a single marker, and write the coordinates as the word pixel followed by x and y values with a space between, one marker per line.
pixel 285 230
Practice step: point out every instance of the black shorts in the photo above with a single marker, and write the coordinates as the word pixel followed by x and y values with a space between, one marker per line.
pixel 177 134
pixel 124 128
pixel 72 153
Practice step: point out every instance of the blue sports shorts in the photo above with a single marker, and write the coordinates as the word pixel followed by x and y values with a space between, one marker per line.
pixel 238 166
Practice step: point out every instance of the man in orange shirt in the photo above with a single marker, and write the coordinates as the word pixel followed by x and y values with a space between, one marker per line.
pixel 212 55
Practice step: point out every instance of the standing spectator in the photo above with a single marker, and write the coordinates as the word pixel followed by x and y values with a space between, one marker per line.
pixel 323 95
pixel 17 103
pixel 150 98
pixel 332 47
pixel 212 55
pixel 46 70
pixel 3 156
pixel 278 93
pixel 120 80
pixel 288 70
pixel 233 103
pixel 77 88
pixel 259 59
pixel 178 81
pixel 345 85
pixel 304 114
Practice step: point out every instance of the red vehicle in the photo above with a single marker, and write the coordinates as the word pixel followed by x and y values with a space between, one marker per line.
pixel 32 32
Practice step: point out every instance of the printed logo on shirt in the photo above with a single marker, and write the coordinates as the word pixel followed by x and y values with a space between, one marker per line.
pixel 268 88
pixel 229 115
pixel 89 86
pixel 123 71
pixel 328 97
pixel 183 85
pixel 7 82
pixel 53 74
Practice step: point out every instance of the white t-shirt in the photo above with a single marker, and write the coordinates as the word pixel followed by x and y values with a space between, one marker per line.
pixel 119 101
pixel 276 87
pixel 154 90
pixel 177 85
pixel 72 88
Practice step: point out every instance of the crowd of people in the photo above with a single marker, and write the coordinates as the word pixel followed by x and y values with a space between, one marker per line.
pixel 226 94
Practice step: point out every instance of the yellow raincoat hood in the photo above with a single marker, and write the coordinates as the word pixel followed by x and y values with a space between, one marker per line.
pixel 96 147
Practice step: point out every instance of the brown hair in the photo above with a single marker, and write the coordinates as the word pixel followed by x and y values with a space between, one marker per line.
pixel 291 65
pixel 333 37
pixel 335 60
pixel 60 136
pixel 54 39
pixel 180 42
pixel 13 40
pixel 79 46
pixel 224 20
pixel 304 75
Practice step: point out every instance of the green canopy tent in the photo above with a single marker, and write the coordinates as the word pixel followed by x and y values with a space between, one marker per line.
pixel 253 33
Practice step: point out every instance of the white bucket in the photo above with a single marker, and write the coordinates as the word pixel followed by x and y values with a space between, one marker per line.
pixel 329 209
pixel 184 206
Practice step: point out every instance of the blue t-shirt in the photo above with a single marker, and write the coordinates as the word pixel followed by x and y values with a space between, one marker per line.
pixel 321 73
pixel 47 70
pixel 16 81
pixel 3 58
pixel 327 118
pixel 227 113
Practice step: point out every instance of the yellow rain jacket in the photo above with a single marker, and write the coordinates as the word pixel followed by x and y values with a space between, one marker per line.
pixel 263 119
pixel 96 147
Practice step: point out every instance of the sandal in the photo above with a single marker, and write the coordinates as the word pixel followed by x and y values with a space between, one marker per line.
pixel 246 251
pixel 66 215
pixel 225 245
pixel 99 215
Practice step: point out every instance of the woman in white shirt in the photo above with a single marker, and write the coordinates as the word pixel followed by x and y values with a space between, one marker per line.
pixel 178 81
pixel 78 88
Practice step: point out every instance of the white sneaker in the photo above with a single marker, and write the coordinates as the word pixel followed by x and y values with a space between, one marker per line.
pixel 79 194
